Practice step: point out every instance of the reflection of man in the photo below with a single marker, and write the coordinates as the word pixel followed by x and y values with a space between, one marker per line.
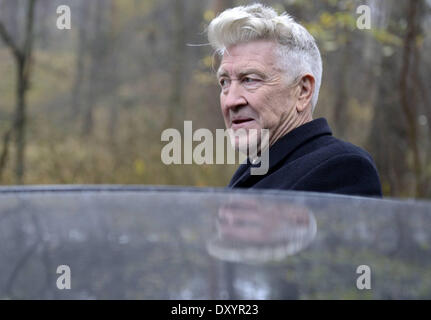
pixel 270 77
pixel 257 231
pixel 252 221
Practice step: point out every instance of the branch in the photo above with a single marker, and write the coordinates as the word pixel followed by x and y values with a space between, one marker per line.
pixel 9 41
pixel 28 43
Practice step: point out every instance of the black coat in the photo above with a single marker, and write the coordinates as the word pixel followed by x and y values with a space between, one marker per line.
pixel 309 158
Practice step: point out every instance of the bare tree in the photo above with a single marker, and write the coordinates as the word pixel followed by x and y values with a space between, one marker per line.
pixel 97 54
pixel 81 46
pixel 178 65
pixel 409 108
pixel 23 57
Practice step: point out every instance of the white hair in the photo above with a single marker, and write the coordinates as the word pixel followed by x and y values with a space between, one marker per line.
pixel 298 52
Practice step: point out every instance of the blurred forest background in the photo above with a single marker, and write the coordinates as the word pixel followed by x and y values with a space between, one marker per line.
pixel 88 105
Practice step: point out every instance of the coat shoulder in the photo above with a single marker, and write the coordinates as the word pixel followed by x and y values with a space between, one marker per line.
pixel 341 167
pixel 333 147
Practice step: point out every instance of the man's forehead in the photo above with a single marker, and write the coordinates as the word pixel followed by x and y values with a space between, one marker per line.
pixel 255 56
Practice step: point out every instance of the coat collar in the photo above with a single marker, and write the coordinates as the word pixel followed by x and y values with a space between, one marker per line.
pixel 284 146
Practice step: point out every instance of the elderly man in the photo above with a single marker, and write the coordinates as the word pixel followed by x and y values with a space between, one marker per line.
pixel 270 75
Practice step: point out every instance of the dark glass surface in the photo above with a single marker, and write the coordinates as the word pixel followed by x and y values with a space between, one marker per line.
pixel 189 243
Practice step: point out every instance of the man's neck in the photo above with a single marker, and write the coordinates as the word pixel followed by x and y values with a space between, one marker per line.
pixel 290 123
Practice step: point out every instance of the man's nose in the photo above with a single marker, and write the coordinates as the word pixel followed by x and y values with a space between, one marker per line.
pixel 234 97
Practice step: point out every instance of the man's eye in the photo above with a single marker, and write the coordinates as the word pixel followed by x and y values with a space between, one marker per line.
pixel 249 80
pixel 223 82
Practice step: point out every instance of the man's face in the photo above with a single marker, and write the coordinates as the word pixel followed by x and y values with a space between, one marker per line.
pixel 254 92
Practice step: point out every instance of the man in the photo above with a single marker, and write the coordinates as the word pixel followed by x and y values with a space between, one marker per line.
pixel 270 75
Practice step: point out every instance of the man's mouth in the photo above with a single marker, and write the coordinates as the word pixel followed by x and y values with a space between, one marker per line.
pixel 241 122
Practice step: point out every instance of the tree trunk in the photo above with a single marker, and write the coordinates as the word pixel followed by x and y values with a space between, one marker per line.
pixel 408 107
pixel 80 61
pixel 96 56
pixel 23 57
pixel 342 98
pixel 20 121
pixel 178 66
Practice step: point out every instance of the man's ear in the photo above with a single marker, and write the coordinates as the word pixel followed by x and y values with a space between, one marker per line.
pixel 306 90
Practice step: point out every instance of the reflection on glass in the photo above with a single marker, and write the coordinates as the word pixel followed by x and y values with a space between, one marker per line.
pixel 252 231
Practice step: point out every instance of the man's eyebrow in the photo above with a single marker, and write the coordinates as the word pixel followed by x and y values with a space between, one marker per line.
pixel 222 72
pixel 251 71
